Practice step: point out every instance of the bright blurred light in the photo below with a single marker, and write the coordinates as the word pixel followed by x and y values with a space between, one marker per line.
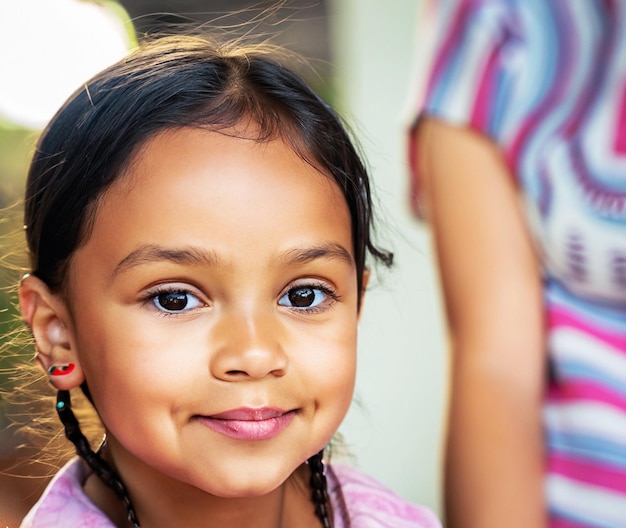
pixel 49 48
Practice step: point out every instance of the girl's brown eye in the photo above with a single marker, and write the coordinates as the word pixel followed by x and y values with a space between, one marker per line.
pixel 308 298
pixel 301 297
pixel 175 301
pixel 172 301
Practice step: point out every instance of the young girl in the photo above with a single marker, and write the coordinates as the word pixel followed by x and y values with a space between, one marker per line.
pixel 198 223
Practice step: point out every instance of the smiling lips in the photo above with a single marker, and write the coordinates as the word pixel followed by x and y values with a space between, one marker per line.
pixel 249 424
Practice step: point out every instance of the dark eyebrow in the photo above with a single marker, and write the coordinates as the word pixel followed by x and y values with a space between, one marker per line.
pixel 151 253
pixel 330 250
pixel 200 257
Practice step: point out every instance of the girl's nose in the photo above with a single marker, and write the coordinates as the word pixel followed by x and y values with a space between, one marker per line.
pixel 247 346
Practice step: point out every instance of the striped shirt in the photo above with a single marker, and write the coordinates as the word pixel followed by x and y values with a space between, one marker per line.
pixel 546 81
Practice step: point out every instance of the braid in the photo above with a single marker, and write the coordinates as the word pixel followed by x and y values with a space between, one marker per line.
pixel 319 489
pixel 93 459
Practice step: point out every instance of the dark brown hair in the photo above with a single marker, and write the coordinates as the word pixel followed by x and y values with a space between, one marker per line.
pixel 171 83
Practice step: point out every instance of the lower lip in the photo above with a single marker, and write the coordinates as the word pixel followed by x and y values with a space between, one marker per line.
pixel 249 429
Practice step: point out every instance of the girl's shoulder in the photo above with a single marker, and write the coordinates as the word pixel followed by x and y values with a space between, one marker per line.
pixel 367 502
pixel 64 502
pixel 370 504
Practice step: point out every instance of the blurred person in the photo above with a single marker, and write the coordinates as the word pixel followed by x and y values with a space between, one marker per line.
pixel 519 165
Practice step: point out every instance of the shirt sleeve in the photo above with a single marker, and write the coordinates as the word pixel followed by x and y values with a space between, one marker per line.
pixel 469 74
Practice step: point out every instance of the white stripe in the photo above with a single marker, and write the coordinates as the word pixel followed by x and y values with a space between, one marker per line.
pixel 474 60
pixel 573 345
pixel 599 134
pixel 587 419
pixel 599 506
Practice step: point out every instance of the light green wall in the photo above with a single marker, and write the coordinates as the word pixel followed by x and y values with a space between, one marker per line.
pixel 395 430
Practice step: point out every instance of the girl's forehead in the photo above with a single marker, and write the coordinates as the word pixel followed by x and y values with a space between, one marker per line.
pixel 226 194
pixel 221 161
pixel 239 141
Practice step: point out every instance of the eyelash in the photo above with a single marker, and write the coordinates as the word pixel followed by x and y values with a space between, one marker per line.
pixel 154 293
pixel 318 286
pixel 164 289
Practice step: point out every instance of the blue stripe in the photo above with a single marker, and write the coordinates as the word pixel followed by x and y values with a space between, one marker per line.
pixel 448 80
pixel 500 104
pixel 587 448
pixel 589 522
pixel 610 318
pixel 577 371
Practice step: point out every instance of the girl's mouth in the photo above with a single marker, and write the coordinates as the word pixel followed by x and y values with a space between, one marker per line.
pixel 249 423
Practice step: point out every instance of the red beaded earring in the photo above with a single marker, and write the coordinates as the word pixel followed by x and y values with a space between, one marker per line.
pixel 61 370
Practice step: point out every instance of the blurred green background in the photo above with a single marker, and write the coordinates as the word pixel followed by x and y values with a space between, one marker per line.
pixel 16 144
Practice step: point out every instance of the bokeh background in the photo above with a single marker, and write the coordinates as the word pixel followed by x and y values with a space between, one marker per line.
pixel 365 56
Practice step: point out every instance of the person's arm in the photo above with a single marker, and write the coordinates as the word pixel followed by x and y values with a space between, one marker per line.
pixel 491 284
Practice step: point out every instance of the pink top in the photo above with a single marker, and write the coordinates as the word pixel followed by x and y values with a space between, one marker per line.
pixel 368 503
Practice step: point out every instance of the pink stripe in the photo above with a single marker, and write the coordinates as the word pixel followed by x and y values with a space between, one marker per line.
pixel 620 133
pixel 573 391
pixel 485 98
pixel 451 44
pixel 579 109
pixel 550 100
pixel 558 317
pixel 591 473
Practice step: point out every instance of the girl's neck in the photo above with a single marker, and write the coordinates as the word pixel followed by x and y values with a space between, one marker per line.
pixel 287 506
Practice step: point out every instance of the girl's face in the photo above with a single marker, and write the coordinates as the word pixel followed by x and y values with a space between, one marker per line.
pixel 214 312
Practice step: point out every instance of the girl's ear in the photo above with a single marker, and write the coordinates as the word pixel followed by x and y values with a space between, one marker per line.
pixel 366 279
pixel 47 316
